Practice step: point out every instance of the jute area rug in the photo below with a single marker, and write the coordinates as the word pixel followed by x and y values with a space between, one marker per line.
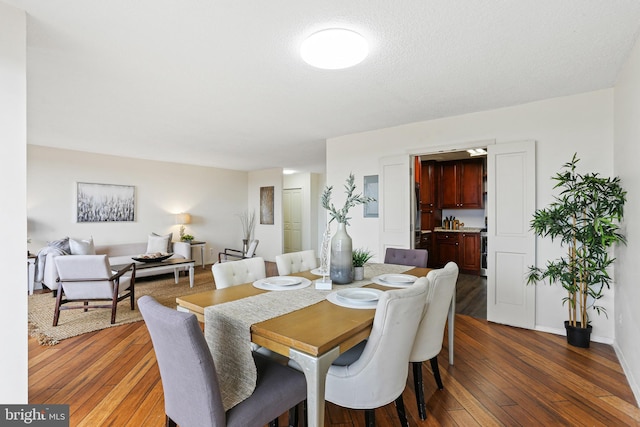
pixel 77 322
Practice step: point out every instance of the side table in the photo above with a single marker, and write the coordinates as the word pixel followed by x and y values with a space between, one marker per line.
pixel 201 245
pixel 31 272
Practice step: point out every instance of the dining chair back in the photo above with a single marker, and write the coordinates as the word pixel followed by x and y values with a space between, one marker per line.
pixel 374 373
pixel 414 257
pixel 89 278
pixel 233 273
pixel 192 394
pixel 428 343
pixel 294 262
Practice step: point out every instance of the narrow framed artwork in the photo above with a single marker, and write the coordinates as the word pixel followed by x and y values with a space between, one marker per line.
pixel 105 202
pixel 371 190
pixel 266 205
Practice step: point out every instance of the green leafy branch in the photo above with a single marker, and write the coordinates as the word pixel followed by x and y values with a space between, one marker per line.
pixel 341 215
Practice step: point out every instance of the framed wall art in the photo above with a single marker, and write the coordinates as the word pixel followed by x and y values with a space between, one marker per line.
pixel 371 190
pixel 105 202
pixel 266 205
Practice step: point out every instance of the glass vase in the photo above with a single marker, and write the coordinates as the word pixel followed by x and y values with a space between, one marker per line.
pixel 341 264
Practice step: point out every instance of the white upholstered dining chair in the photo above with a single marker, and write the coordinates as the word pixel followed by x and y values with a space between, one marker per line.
pixel 233 273
pixel 294 262
pixel 428 343
pixel 374 373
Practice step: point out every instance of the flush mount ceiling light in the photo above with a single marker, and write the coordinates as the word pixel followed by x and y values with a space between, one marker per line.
pixel 477 152
pixel 334 49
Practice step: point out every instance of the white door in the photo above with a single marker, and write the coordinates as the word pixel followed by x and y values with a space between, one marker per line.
pixel 511 245
pixel 292 217
pixel 394 203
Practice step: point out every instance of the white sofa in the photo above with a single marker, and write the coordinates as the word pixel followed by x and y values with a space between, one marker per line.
pixel 120 254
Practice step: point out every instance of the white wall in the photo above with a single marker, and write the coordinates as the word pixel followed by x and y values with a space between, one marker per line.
pixel 13 166
pixel 626 154
pixel 561 126
pixel 270 235
pixel 212 196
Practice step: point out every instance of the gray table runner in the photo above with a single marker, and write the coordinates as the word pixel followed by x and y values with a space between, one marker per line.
pixel 227 329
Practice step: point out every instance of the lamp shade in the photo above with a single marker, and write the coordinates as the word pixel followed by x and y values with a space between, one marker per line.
pixel 183 218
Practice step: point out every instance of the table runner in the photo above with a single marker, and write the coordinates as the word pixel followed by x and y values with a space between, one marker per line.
pixel 227 329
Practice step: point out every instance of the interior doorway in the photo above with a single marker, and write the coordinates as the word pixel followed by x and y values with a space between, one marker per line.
pixel 292 219
pixel 450 214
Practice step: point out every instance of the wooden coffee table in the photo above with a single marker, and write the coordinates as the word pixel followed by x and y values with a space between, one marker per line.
pixel 174 264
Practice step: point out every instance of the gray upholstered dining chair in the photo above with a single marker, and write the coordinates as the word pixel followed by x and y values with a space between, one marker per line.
pixel 89 278
pixel 294 262
pixel 428 343
pixel 192 396
pixel 237 272
pixel 414 257
pixel 374 372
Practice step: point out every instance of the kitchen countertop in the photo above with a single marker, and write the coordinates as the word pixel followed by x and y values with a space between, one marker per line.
pixel 460 230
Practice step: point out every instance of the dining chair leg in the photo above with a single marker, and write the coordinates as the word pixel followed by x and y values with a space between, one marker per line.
pixel 293 416
pixel 419 389
pixel 170 422
pixel 402 415
pixel 436 372
pixel 369 418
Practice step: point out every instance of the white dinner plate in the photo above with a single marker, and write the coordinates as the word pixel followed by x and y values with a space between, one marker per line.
pixel 395 280
pixel 281 283
pixel 360 295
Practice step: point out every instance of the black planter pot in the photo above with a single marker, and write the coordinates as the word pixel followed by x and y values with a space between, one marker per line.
pixel 577 336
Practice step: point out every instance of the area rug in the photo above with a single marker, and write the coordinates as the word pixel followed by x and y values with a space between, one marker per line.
pixel 77 322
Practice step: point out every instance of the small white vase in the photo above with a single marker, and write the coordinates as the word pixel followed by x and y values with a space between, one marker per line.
pixel 358 273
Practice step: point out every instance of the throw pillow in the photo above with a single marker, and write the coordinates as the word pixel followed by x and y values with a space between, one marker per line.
pixel 62 244
pixel 82 247
pixel 158 243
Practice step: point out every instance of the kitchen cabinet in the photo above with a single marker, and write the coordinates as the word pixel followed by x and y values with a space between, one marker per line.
pixel 463 248
pixel 461 184
pixel 430 215
pixel 469 252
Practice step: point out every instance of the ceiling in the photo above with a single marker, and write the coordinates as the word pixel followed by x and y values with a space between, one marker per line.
pixel 221 83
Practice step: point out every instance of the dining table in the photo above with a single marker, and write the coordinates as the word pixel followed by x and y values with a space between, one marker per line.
pixel 302 324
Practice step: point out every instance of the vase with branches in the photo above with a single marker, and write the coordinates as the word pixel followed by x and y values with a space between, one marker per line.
pixel 341 264
pixel 248 221
pixel 585 219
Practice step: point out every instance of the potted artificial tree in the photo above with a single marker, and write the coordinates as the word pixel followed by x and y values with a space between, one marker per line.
pixel 585 219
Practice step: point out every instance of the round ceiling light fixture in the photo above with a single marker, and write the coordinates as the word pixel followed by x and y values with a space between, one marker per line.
pixel 334 49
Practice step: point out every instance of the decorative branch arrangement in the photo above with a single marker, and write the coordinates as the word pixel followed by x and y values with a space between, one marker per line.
pixel 352 200
pixel 248 221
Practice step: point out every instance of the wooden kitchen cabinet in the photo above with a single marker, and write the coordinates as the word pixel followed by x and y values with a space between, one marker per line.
pixel 430 215
pixel 459 247
pixel 470 252
pixel 461 184
pixel 446 248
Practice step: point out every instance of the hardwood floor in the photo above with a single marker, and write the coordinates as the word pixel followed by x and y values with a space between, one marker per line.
pixel 471 296
pixel 502 376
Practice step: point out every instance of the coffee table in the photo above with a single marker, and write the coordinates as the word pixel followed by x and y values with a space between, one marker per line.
pixel 174 264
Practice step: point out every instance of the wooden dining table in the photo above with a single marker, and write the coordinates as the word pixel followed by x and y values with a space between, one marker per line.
pixel 313 336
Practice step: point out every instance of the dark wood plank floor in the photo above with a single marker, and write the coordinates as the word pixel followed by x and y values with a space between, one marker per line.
pixel 502 376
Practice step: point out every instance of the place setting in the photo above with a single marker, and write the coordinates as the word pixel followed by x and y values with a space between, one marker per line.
pixel 360 298
pixel 395 280
pixel 282 283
